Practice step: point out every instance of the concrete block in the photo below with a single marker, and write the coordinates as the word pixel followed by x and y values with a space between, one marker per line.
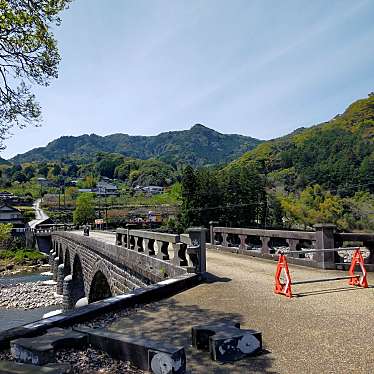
pixel 226 341
pixel 154 356
pixel 11 367
pixel 40 350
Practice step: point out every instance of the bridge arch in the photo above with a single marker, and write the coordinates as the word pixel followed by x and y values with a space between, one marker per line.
pixel 77 289
pixel 100 288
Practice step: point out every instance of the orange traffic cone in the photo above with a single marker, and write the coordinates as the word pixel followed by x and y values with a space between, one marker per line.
pixel 283 288
pixel 357 259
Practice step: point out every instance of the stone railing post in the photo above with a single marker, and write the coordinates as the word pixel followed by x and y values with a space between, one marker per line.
pixel 119 238
pixel 145 245
pixel 224 239
pixel 265 244
pixel 139 244
pixel 211 230
pixel 129 226
pixel 197 251
pixel 163 250
pixel 325 240
pixel 149 247
pixel 242 244
pixel 370 246
pixel 293 243
pixel 128 239
pixel 179 258
pixel 60 279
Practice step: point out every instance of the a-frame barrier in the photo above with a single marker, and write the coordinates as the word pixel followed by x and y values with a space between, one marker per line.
pixel 285 287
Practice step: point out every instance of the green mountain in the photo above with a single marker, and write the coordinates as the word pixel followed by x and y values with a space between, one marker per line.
pixel 338 154
pixel 197 146
pixel 4 162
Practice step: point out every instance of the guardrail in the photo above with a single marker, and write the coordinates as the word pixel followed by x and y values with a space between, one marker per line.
pixel 265 243
pixel 260 239
pixel 182 250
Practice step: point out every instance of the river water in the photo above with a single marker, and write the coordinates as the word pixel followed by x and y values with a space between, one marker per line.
pixel 16 317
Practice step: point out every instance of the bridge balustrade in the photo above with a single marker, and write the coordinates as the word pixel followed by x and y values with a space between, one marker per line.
pixel 186 250
pixel 48 228
pixel 366 240
pixel 264 243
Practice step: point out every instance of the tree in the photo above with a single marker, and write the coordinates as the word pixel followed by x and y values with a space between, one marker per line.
pixel 56 170
pixel 89 181
pixel 9 172
pixel 106 163
pixel 209 196
pixel 43 170
pixel 29 172
pixel 243 196
pixel 313 205
pixel 28 54
pixel 72 170
pixel 233 196
pixel 189 192
pixel 19 176
pixel 85 209
pixel 122 171
pixel 5 235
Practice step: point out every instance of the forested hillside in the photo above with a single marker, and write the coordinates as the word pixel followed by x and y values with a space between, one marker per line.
pixel 324 173
pixel 338 155
pixel 197 147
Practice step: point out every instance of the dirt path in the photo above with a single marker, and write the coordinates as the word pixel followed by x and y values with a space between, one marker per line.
pixel 39 212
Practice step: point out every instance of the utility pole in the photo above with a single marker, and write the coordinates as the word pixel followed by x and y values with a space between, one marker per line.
pixel 106 210
pixel 59 202
pixel 99 202
pixel 64 197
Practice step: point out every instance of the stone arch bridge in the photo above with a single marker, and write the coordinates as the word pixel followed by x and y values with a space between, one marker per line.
pixel 89 269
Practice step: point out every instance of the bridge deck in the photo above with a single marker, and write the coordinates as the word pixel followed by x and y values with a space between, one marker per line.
pixel 329 328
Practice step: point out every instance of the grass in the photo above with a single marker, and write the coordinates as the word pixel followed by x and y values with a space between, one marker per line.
pixel 171 196
pixel 21 255
pixel 20 189
pixel 24 207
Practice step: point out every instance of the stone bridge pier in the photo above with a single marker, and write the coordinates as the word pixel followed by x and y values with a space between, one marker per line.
pixel 88 269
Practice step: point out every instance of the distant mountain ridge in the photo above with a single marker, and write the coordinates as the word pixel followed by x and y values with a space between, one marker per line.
pixel 197 146
pixel 4 162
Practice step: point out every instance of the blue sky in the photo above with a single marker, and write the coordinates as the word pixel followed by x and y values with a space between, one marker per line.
pixel 259 68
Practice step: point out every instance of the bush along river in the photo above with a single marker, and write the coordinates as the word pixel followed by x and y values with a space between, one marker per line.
pixel 26 297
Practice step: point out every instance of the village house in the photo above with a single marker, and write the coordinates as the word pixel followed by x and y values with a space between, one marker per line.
pixel 9 214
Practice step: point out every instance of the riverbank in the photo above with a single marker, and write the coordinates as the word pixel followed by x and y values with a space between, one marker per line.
pixel 11 269
pixel 13 262
pixel 28 295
